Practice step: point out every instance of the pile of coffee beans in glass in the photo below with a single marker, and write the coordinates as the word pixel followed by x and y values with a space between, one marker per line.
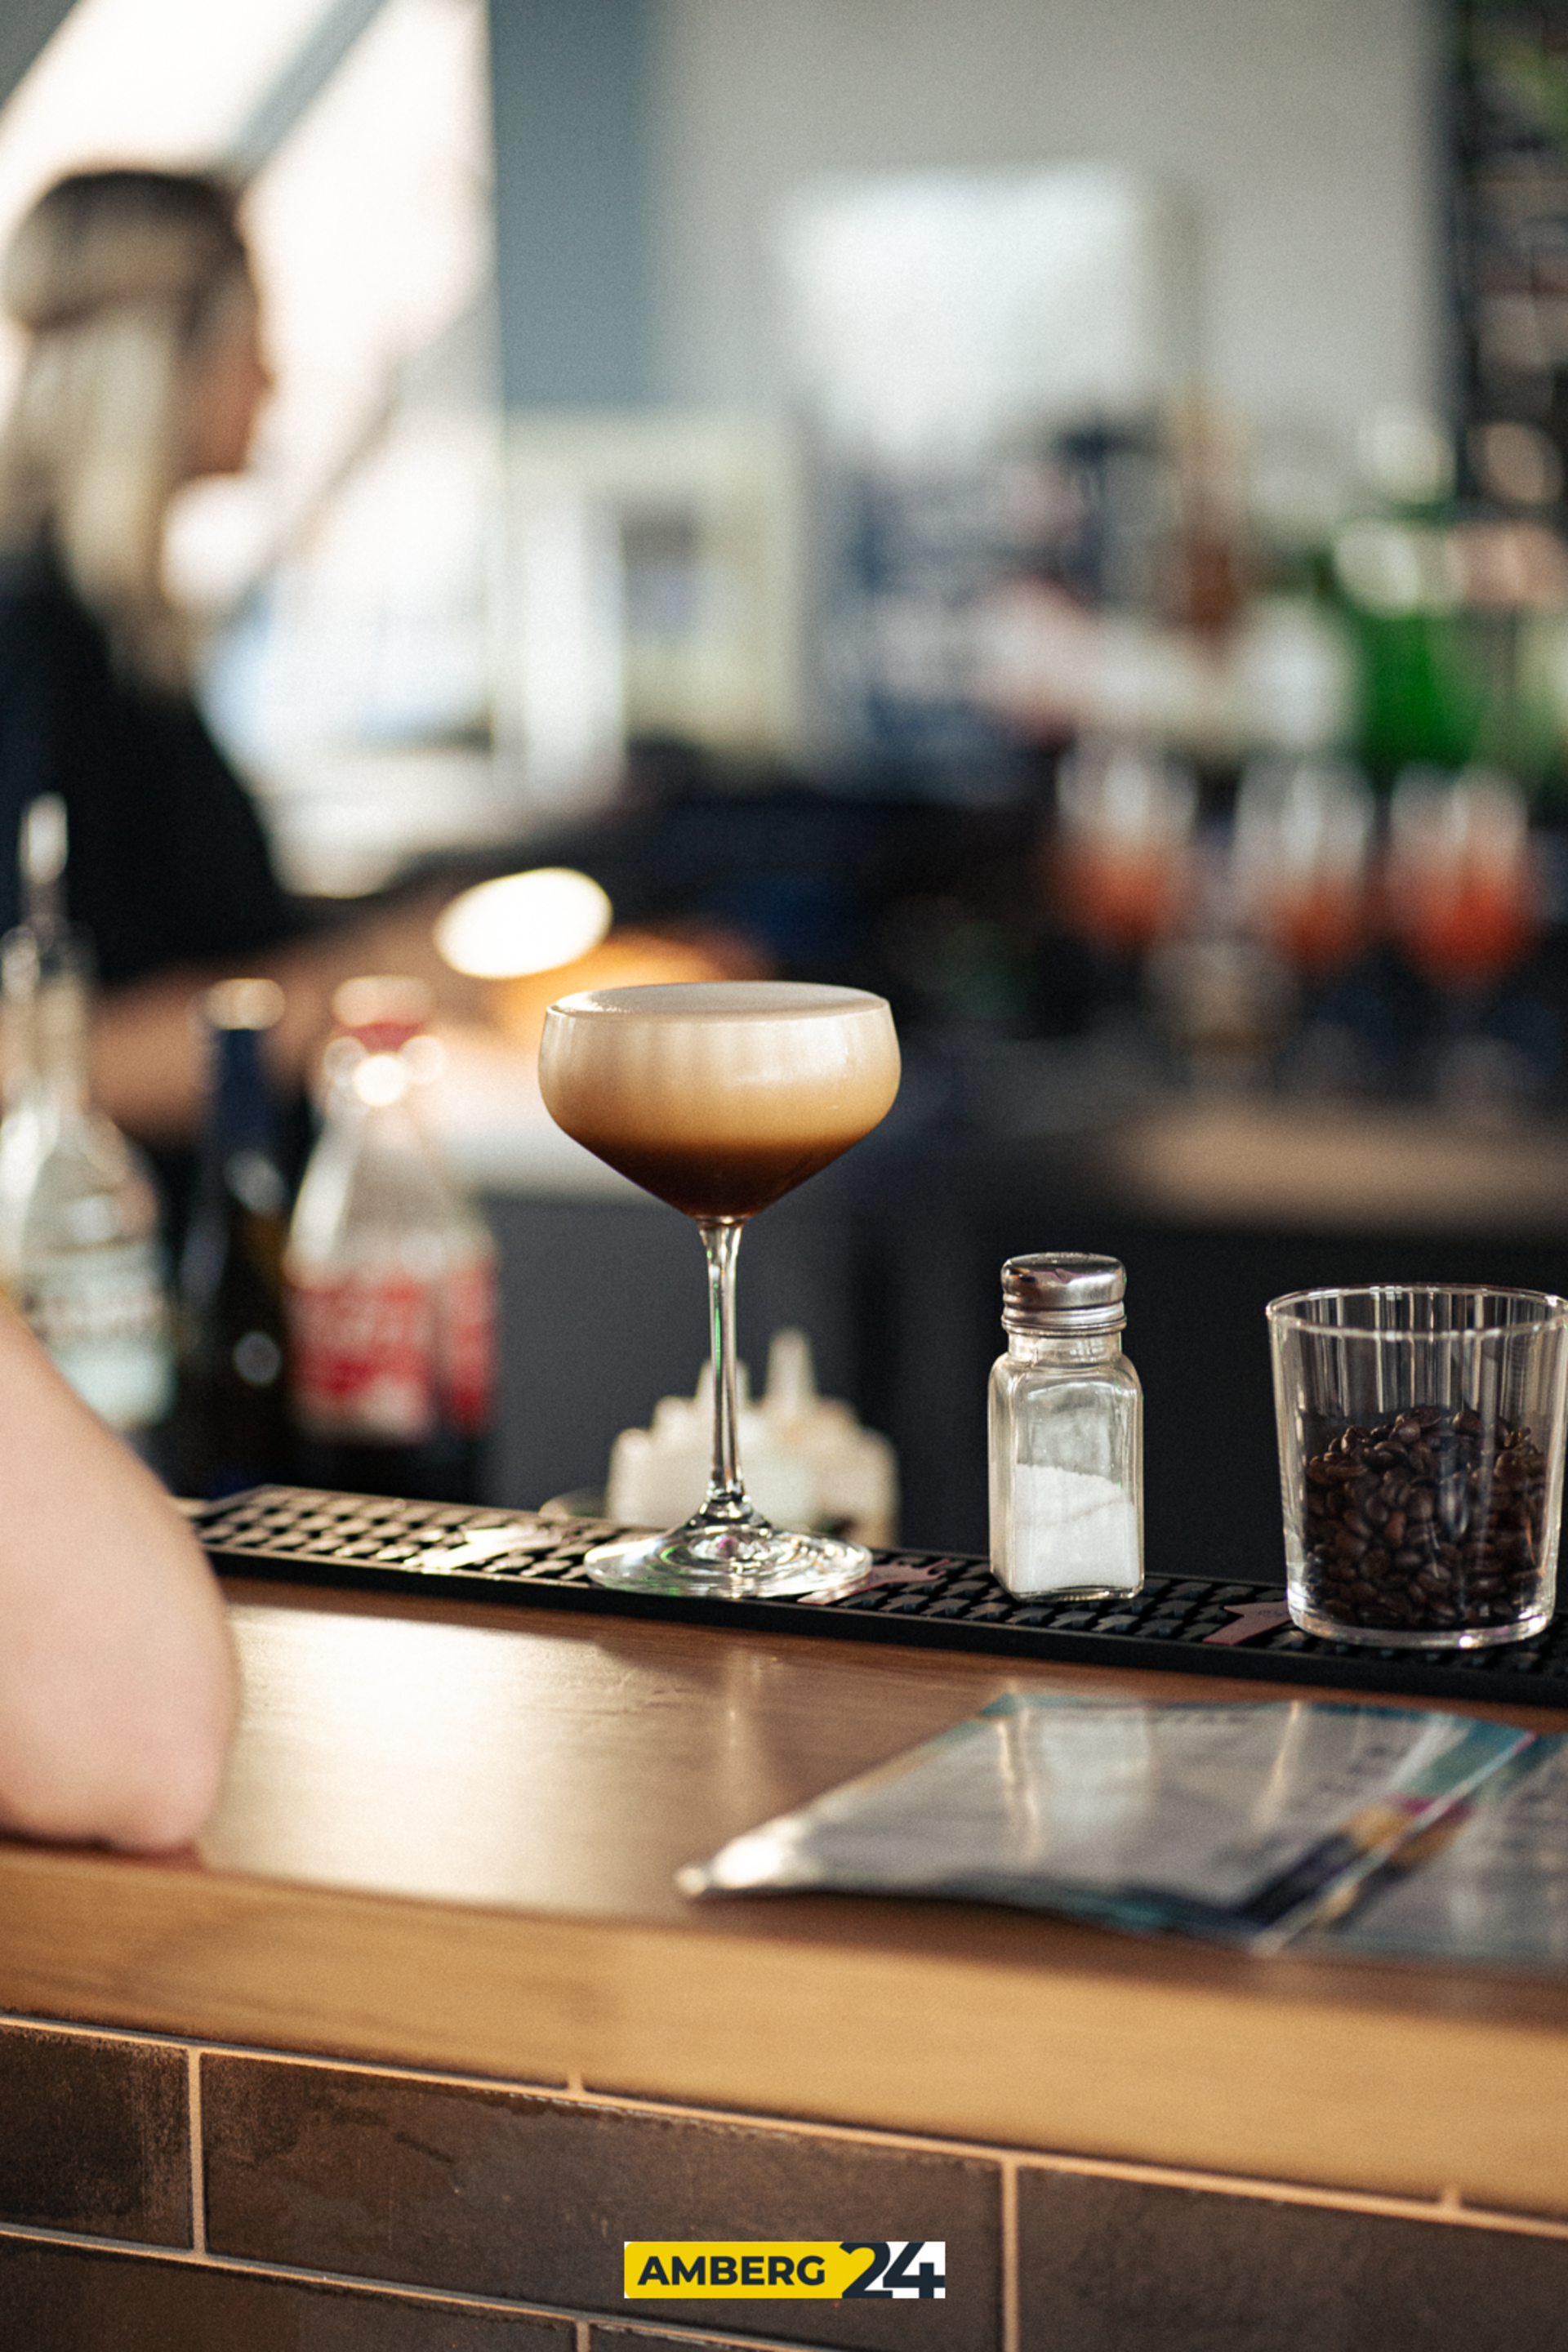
pixel 1433 1522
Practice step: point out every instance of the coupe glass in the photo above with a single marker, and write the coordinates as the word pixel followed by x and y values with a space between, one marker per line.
pixel 719 1098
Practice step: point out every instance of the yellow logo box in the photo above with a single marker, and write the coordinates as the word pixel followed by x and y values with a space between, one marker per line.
pixel 762 2270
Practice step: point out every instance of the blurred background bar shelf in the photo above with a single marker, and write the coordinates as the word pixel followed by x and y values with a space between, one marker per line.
pixel 1059 521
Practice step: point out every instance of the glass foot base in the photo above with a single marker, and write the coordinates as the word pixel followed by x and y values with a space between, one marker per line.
pixel 751 1561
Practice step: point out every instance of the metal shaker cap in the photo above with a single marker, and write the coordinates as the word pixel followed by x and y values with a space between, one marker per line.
pixel 1066 1291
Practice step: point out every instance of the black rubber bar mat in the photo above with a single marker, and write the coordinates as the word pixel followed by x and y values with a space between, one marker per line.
pixel 945 1601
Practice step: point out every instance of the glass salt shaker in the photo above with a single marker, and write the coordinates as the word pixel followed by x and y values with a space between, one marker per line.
pixel 1067 1432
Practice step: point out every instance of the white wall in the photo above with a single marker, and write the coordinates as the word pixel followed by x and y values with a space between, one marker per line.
pixel 1306 131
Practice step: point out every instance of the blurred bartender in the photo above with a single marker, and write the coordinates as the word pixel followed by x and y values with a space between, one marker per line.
pixel 144 370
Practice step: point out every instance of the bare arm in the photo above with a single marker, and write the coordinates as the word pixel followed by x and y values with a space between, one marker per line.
pixel 117 1681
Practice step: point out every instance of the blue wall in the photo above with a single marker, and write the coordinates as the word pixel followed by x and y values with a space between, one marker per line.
pixel 24 26
pixel 570 83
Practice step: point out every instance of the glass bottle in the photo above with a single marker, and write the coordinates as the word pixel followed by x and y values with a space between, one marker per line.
pixel 79 1248
pixel 390 1275
pixel 1067 1432
pixel 234 1426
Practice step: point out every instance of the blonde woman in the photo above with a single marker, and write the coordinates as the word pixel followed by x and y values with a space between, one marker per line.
pixel 144 369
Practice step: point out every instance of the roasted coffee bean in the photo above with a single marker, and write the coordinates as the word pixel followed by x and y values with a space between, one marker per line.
pixel 1433 1521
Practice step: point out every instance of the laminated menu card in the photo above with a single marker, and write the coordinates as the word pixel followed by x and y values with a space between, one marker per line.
pixel 1244 1822
pixel 1491 1884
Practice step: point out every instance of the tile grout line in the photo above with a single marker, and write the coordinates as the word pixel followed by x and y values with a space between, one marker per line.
pixel 413 2290
pixel 678 2331
pixel 1444 2206
pixel 23 2021
pixel 583 2324
pixel 198 2165
pixel 569 2086
pixel 1010 2313
pixel 890 2136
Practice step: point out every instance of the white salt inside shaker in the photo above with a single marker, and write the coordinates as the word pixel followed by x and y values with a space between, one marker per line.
pixel 1065 1421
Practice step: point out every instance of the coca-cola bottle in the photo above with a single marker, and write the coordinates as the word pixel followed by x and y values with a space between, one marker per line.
pixel 232 1424
pixel 80 1249
pixel 390 1274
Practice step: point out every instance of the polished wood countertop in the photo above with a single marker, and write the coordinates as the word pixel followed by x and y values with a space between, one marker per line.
pixel 448 1839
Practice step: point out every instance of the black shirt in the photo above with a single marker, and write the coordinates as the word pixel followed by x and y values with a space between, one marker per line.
pixel 168 861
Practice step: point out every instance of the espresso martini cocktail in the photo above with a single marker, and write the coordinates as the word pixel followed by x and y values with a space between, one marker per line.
pixel 718 1097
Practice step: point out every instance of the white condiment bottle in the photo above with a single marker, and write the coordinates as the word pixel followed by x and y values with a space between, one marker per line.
pixel 1067 1432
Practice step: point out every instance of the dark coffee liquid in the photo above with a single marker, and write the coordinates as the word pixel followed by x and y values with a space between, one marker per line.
pixel 717 1179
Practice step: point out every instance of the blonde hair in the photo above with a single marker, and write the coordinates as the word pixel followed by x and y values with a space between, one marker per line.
pixel 121 279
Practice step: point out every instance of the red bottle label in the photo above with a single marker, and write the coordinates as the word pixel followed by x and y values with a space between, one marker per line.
pixel 364 1357
pixel 468 1345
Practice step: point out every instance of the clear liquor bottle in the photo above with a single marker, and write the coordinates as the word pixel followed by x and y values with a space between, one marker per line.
pixel 80 1247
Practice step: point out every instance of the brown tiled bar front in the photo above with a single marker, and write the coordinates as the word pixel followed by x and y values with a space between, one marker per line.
pixel 353 2208
pixel 77 2299
pixel 93 2136
pixel 441 1891
pixel 528 2199
pixel 1109 2265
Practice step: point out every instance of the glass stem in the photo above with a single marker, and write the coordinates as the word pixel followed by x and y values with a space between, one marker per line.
pixel 726 1496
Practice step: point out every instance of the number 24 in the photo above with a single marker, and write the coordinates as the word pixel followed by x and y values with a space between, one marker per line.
pixel 894 2272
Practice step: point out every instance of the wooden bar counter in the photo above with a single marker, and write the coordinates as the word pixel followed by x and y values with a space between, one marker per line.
pixel 424 2031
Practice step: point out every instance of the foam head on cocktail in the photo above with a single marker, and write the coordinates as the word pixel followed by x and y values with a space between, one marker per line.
pixel 718 1097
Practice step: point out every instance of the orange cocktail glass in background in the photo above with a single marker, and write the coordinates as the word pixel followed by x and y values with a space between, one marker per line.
pixel 1300 861
pixel 1460 890
pixel 1120 858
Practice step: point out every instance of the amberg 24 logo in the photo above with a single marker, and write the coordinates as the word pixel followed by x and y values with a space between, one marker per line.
pixel 751 2270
